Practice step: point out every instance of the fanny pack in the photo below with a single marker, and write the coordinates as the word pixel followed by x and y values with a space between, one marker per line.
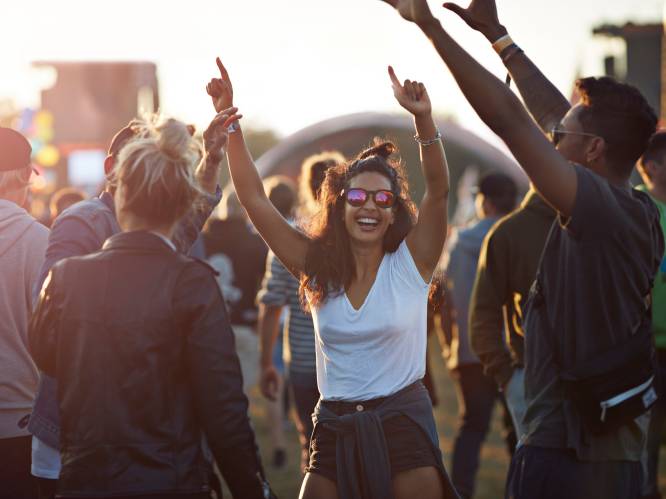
pixel 617 385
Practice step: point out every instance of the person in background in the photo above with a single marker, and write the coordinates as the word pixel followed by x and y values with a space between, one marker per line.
pixel 138 338
pixel 589 300
pixel 63 199
pixel 281 191
pixel 476 393
pixel 311 178
pixel 82 229
pixel 652 168
pixel 507 268
pixel 23 243
pixel 238 253
pixel 280 289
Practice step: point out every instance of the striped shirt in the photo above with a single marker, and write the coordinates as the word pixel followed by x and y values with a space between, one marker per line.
pixel 280 288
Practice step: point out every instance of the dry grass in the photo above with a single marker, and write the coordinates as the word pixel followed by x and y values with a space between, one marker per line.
pixel 494 458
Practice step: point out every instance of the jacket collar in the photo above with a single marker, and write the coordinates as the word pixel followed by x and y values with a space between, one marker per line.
pixel 137 240
pixel 106 198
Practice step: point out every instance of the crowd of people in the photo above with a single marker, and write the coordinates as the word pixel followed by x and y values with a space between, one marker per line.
pixel 134 327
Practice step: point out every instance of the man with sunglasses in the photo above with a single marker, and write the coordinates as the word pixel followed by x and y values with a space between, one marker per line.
pixel 599 261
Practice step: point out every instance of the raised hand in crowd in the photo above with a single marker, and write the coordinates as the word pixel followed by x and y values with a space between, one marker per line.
pixel 220 89
pixel 480 15
pixel 426 239
pixel 416 12
pixel 215 139
pixel 287 243
pixel 543 100
pixel 216 136
pixel 411 95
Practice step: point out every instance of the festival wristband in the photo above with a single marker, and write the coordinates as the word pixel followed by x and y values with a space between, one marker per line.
pixel 501 43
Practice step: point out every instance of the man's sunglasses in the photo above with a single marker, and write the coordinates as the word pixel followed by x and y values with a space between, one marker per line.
pixel 557 134
pixel 358 197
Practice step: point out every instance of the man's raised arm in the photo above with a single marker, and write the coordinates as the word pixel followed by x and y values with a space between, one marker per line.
pixel 500 109
pixel 545 103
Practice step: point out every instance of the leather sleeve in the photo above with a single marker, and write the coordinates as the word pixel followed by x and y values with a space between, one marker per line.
pixel 43 327
pixel 69 237
pixel 216 381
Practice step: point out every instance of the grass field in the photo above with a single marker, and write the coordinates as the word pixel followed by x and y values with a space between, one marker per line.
pixel 494 458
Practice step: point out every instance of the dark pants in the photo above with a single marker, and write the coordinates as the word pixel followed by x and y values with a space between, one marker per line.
pixel 201 495
pixel 657 419
pixel 46 488
pixel 477 394
pixel 556 474
pixel 306 396
pixel 15 479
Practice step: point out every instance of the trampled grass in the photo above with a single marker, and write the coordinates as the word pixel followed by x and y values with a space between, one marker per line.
pixel 494 458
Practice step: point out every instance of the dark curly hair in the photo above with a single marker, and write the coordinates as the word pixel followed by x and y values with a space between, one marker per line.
pixel 329 264
pixel 619 114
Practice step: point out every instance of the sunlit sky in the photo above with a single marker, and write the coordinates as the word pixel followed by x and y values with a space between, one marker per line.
pixel 295 62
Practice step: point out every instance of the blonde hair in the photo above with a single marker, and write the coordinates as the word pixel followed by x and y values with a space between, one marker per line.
pixel 13 180
pixel 156 170
pixel 313 172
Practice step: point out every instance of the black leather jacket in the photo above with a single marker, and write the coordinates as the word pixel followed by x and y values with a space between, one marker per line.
pixel 139 340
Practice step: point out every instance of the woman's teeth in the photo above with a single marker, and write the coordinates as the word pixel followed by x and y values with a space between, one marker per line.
pixel 368 222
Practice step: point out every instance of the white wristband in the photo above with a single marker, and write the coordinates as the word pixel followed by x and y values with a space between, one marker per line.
pixel 502 42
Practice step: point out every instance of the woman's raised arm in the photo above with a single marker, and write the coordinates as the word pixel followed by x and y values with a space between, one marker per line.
pixel 289 244
pixel 426 239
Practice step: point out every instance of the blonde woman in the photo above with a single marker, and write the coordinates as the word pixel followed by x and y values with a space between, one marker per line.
pixel 138 338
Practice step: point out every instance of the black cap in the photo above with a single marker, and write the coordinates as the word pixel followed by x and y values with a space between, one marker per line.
pixel 497 185
pixel 15 150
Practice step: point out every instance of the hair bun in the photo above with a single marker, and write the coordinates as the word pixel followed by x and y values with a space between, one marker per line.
pixel 383 149
pixel 174 138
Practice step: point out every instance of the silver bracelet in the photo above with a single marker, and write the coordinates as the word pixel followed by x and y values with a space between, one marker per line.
pixel 429 142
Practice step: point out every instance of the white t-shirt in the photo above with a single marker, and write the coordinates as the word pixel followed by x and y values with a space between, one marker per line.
pixel 380 348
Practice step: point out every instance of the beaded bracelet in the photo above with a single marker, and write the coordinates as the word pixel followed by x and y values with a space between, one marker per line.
pixel 429 142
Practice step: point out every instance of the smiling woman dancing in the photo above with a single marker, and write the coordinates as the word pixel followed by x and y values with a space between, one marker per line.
pixel 364 268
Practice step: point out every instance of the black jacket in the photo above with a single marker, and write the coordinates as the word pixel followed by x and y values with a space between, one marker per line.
pixel 138 338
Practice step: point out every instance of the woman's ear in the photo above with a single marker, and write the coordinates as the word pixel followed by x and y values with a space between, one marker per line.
pixel 109 163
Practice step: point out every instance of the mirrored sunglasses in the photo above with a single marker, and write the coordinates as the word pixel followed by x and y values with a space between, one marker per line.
pixel 358 197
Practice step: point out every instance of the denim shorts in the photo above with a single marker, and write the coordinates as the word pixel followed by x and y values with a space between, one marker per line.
pixel 408 447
